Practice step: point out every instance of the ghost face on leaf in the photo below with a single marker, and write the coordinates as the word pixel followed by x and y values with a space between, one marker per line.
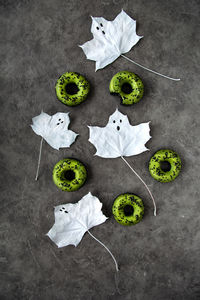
pixel 119 138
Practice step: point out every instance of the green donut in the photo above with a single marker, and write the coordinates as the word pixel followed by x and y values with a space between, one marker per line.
pixel 69 174
pixel 128 209
pixel 128 86
pixel 165 165
pixel 72 88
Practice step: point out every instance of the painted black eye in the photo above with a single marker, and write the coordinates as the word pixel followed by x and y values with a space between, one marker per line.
pixel 120 121
pixel 103 32
pixel 57 123
pixel 59 120
pixel 114 121
pixel 62 122
pixel 97 28
pixel 101 25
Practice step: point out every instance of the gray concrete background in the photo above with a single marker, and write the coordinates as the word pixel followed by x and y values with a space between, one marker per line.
pixel 159 257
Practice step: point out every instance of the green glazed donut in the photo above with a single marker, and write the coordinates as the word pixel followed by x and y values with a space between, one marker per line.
pixel 69 174
pixel 128 209
pixel 128 86
pixel 72 88
pixel 165 165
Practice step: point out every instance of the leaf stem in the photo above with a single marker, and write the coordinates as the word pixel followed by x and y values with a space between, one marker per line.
pixel 39 159
pixel 175 79
pixel 142 182
pixel 116 264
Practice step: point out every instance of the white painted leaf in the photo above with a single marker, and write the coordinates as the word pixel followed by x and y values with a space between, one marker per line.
pixel 119 138
pixel 73 220
pixel 54 129
pixel 111 39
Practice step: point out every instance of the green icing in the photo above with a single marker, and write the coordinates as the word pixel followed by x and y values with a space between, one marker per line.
pixel 119 211
pixel 136 85
pixel 155 165
pixel 82 84
pixel 76 168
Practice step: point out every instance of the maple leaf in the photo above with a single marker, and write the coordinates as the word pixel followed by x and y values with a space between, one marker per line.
pixel 54 129
pixel 119 138
pixel 111 39
pixel 72 221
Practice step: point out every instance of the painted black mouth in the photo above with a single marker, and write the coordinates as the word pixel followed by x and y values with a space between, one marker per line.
pixel 118 128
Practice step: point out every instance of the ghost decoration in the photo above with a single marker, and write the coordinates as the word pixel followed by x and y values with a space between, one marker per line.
pixel 72 221
pixel 119 138
pixel 54 130
pixel 112 39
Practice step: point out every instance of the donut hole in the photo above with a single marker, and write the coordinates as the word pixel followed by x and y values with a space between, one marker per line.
pixel 69 175
pixel 126 88
pixel 128 210
pixel 165 166
pixel 71 88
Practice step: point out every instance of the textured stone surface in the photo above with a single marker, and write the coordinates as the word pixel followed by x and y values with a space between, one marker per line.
pixel 159 257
